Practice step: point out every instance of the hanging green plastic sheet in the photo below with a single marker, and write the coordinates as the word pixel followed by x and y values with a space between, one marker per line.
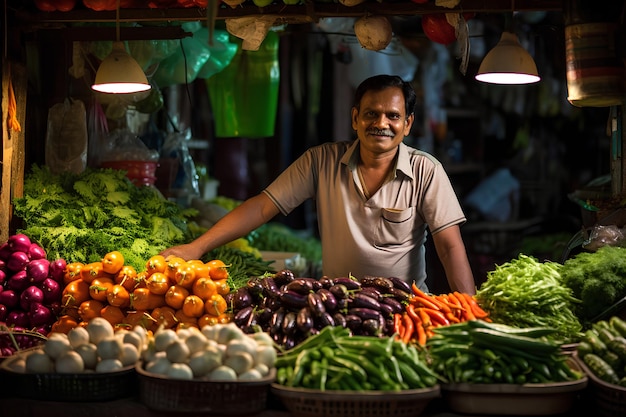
pixel 244 96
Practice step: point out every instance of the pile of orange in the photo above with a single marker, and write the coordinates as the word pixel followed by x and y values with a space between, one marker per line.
pixel 173 293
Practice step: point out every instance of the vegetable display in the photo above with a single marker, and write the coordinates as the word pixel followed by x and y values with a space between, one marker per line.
pixel 527 293
pixel 292 309
pixel 30 285
pixel 220 352
pixel 598 279
pixel 334 359
pixel 423 312
pixel 603 349
pixel 479 352
pixel 79 217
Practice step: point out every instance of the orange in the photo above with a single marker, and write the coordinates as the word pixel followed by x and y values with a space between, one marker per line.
pixel 185 275
pixel 222 286
pixel 165 316
pixel 156 263
pixel 90 309
pixel 158 283
pixel 216 305
pixel 217 269
pixel 113 314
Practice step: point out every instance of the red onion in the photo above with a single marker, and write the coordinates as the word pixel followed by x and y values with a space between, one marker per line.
pixel 57 269
pixel 17 261
pixel 3 277
pixel 39 314
pixel 37 270
pixel 9 298
pixel 18 318
pixel 36 252
pixel 19 242
pixel 5 251
pixel 31 295
pixel 18 281
pixel 51 290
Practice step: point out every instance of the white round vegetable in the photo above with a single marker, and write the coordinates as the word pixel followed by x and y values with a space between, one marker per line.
pixel 222 373
pixel 99 328
pixel 266 355
pixel 69 363
pixel 201 363
pixel 228 332
pixel 373 32
pixel 158 366
pixel 109 365
pixel 262 368
pixel 246 345
pixel 56 346
pixel 89 353
pixel 134 339
pixel 211 331
pixel 251 375
pixel 163 338
pixel 179 371
pixel 39 362
pixel 196 342
pixel 78 336
pixel 110 348
pixel 177 351
pixel 130 354
pixel 16 365
pixel 240 362
pixel 263 338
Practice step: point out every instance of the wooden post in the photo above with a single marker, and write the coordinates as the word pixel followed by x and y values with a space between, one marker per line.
pixel 13 156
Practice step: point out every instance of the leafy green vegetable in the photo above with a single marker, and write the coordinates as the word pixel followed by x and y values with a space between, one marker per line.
pixel 598 279
pixel 278 237
pixel 526 293
pixel 241 264
pixel 81 217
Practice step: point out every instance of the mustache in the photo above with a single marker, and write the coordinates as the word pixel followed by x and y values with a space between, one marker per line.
pixel 381 132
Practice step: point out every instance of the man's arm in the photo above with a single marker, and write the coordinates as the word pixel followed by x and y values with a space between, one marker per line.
pixel 251 214
pixel 451 251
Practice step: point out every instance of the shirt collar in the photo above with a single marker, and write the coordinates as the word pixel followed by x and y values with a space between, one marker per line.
pixel 351 158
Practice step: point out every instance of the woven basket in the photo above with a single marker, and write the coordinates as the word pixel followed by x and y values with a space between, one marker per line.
pixel 608 400
pixel 80 387
pixel 302 402
pixel 203 397
pixel 19 340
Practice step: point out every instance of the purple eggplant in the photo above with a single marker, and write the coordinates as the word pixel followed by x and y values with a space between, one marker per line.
pixel 340 320
pixel 399 294
pixel 304 319
pixel 350 283
pixel 353 322
pixel 243 316
pixel 276 322
pixel 386 309
pixel 270 287
pixel 316 304
pixel 372 327
pixel 395 304
pixel 300 285
pixel 365 313
pixel 363 300
pixel 329 300
pixel 242 298
pixel 288 341
pixel 339 291
pixel 324 320
pixel 401 284
pixel 293 299
pixel 255 286
pixel 373 292
pixel 383 284
pixel 283 277
pixel 290 323
pixel 326 282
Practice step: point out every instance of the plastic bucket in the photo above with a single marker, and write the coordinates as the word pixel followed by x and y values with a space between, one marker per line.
pixel 138 172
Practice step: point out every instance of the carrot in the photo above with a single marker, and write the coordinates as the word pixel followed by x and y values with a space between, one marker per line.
pixel 441 303
pixel 437 317
pixel 409 326
pixel 423 301
pixel 397 325
pixel 426 321
pixel 475 307
pixel 467 309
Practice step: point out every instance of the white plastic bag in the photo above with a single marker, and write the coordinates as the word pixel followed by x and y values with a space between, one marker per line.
pixel 66 137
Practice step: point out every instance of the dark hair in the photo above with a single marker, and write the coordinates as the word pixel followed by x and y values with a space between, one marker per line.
pixel 383 81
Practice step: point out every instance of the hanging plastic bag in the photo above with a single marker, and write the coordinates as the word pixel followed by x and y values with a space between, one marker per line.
pixel 182 67
pixel 184 181
pixel 222 52
pixel 244 96
pixel 97 130
pixel 66 137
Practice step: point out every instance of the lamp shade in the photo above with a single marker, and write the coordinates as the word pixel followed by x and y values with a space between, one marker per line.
pixel 508 63
pixel 119 73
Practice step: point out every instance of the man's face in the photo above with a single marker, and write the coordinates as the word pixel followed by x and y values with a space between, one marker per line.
pixel 381 122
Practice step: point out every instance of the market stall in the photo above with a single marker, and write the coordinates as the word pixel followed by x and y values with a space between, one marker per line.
pixel 95 321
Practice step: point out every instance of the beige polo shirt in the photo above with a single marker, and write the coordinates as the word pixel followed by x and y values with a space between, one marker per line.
pixel 382 236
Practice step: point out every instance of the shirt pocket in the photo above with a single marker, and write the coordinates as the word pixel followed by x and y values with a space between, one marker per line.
pixel 395 226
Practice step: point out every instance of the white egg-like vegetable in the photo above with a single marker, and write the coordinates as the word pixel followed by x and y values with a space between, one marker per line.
pixel 250 375
pixel 99 328
pixel 196 342
pixel 266 355
pixel 109 348
pixel 222 373
pixel 158 366
pixel 78 336
pixel 89 353
pixel 38 362
pixel 55 347
pixel 179 371
pixel 129 355
pixel 69 363
pixel 240 362
pixel 163 338
pixel 201 363
pixel 109 365
pixel 177 351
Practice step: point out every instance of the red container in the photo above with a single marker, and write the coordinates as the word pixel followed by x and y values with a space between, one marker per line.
pixel 139 172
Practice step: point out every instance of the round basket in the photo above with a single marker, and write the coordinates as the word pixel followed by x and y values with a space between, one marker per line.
pixel 608 400
pixel 80 387
pixel 16 341
pixel 302 402
pixel 200 396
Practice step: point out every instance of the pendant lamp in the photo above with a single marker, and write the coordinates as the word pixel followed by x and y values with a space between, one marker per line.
pixel 119 73
pixel 508 62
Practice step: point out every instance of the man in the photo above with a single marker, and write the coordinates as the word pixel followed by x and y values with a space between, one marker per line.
pixel 375 198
